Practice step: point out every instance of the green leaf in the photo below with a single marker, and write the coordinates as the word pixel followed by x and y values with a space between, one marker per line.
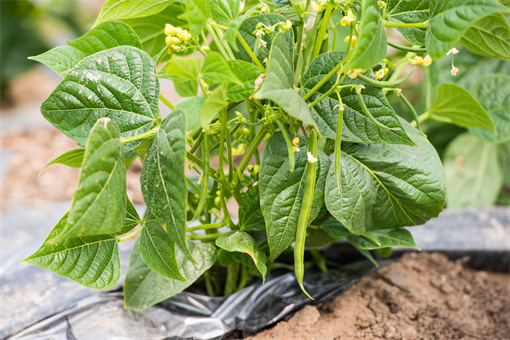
pixel 473 175
pixel 72 158
pixel 357 127
pixel 132 218
pixel 150 29
pixel 247 74
pixel 216 70
pixel 371 45
pixel 489 37
pixel 386 186
pixel 105 36
pixel 409 12
pixel 163 178
pixel 279 83
pixel 92 261
pixel 493 93
pixel 182 67
pixel 249 26
pixel 242 242
pixel 186 88
pixel 459 107
pixel 192 108
pixel 216 101
pixel 224 11
pixel 230 34
pixel 198 12
pixel 250 215
pixel 317 237
pixel 449 20
pixel 118 83
pixel 144 287
pixel 158 251
pixel 99 203
pixel 504 160
pixel 335 229
pixel 384 238
pixel 282 191
pixel 108 35
pixel 60 59
pixel 126 9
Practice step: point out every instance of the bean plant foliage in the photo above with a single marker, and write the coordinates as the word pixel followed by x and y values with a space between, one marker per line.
pixel 282 127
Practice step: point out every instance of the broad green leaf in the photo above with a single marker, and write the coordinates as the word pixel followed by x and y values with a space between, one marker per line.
pixel 367 254
pixel 132 218
pixel 474 177
pixel 493 92
pixel 449 20
pixel 247 74
pixel 126 9
pixel 99 203
pixel 249 26
pixel 198 12
pixel 186 88
pixel 105 36
pixel 192 108
pixel 216 70
pixel 230 34
pixel 334 228
pixel 118 83
pixel 387 186
pixel 384 238
pixel 370 47
pixel 216 101
pixel 163 178
pixel 240 241
pixel 92 261
pixel 409 12
pixel 225 258
pixel 278 85
pixel 72 158
pixel 357 127
pixel 489 37
pixel 282 191
pixel 158 251
pixel 460 108
pixel 150 29
pixel 144 287
pixel 61 59
pixel 317 237
pixel 504 159
pixel 182 67
pixel 225 11
pixel 250 215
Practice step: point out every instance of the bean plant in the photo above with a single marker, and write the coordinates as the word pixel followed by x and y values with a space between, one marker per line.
pixel 285 141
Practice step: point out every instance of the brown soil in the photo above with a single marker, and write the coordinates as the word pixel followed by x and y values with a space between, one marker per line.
pixel 420 296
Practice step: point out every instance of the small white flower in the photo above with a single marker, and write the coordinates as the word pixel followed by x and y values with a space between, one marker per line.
pixel 453 51
pixel 241 6
pixel 311 158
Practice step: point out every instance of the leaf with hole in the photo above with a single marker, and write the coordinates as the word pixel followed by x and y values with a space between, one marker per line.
pixel 92 261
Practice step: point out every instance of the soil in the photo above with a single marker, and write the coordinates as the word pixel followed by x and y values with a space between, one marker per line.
pixel 420 296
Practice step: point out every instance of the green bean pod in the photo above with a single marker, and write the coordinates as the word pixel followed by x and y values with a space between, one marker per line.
pixel 205 179
pixel 289 144
pixel 338 141
pixel 306 207
pixel 390 83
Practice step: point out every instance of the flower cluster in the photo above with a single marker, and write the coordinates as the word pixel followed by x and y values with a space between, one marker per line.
pixel 421 61
pixel 177 38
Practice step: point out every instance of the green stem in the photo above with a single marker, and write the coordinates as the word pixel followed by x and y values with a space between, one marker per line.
pixel 201 164
pixel 229 148
pixel 221 155
pixel 192 185
pixel 206 237
pixel 421 118
pixel 290 149
pixel 388 83
pixel 129 236
pixel 250 52
pixel 325 79
pixel 369 115
pixel 251 150
pixel 205 227
pixel 208 284
pixel 322 30
pixel 338 141
pixel 406 48
pixel 166 101
pixel 217 41
pixel 198 142
pixel 306 207
pixel 245 277
pixel 148 134
pixel 205 180
pixel 219 33
pixel 405 25
pixel 411 107
pixel 232 276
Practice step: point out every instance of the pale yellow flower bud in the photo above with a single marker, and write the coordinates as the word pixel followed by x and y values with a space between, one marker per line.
pixel 354 73
pixel 427 61
pixel 316 7
pixel 354 39
pixel 311 158
pixel 348 19
pixel 454 71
